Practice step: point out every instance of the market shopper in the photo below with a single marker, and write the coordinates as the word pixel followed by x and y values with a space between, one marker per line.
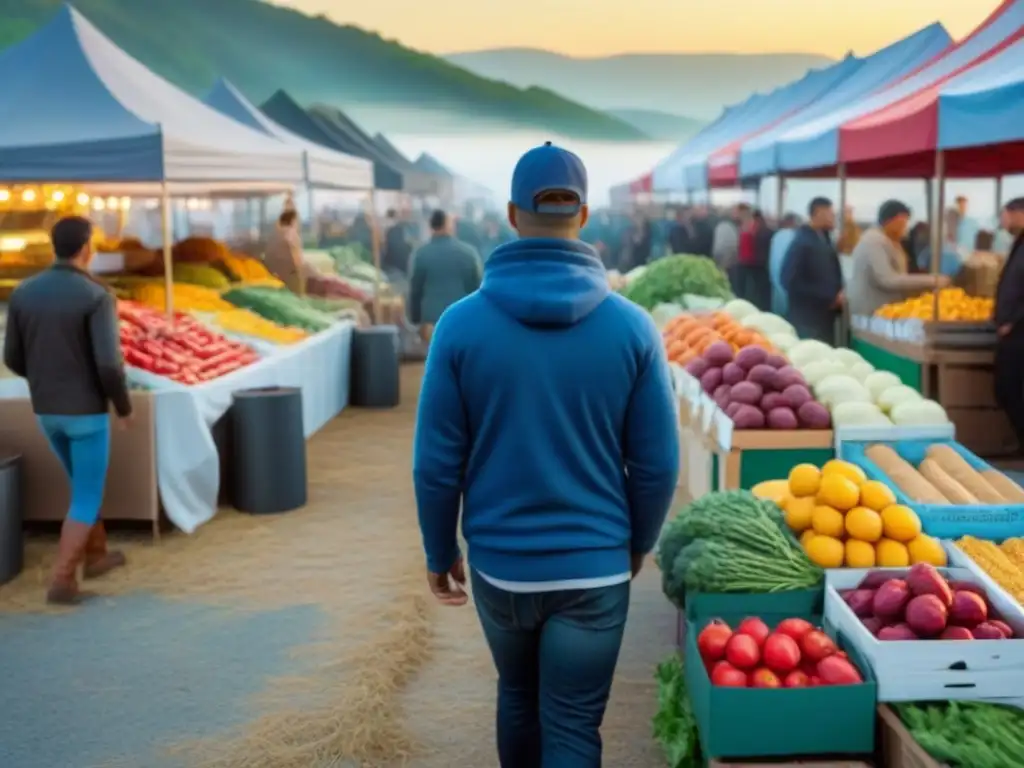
pixel 777 251
pixel 881 274
pixel 62 337
pixel 444 270
pixel 813 277
pixel 546 412
pixel 1008 317
pixel 284 253
pixel 726 242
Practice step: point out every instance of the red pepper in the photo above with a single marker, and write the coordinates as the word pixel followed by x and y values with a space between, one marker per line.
pixel 152 348
pixel 139 359
pixel 165 367
pixel 217 360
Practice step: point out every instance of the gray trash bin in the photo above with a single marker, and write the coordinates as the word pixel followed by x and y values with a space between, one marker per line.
pixel 12 548
pixel 376 356
pixel 268 450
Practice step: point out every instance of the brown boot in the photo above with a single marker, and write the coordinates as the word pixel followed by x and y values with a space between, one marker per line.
pixel 70 551
pixel 99 561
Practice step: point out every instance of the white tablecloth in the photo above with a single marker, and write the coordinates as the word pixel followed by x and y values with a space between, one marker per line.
pixel 188 468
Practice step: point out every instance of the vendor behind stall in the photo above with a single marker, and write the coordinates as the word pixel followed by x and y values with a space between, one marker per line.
pixel 812 276
pixel 1009 320
pixel 880 271
pixel 284 253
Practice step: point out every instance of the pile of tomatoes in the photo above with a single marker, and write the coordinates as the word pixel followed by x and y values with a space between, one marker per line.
pixel 795 655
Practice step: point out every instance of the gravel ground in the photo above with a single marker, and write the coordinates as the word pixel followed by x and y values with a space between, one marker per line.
pixel 307 604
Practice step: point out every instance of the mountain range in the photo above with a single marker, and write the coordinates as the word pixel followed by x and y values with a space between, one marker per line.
pixel 262 47
pixel 697 85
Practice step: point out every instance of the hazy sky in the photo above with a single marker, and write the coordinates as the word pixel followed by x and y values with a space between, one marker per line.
pixel 601 27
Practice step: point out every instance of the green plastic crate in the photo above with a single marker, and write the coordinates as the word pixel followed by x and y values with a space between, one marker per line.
pixel 797 602
pixel 783 722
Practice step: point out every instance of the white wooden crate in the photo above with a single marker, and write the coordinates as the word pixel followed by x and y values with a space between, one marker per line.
pixel 925 670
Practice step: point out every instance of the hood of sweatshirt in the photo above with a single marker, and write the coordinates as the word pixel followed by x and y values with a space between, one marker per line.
pixel 545 281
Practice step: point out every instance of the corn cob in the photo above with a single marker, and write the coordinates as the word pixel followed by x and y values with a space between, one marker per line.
pixel 993 561
pixel 1014 549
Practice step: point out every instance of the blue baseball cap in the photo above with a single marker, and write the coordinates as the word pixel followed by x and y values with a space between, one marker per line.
pixel 549 169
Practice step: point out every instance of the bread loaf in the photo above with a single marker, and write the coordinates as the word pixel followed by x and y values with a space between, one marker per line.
pixel 904 476
pixel 1007 488
pixel 946 485
pixel 964 474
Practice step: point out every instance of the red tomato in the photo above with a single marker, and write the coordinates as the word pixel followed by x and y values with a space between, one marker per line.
pixel 725 674
pixel 816 645
pixel 836 671
pixel 796 679
pixel 741 651
pixel 781 653
pixel 712 640
pixel 795 628
pixel 756 628
pixel 813 681
pixel 764 678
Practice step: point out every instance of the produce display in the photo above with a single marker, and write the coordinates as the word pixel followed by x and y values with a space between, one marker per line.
pixel 796 654
pixel 954 306
pixel 966 734
pixel 944 477
pixel 245 269
pixel 200 274
pixel 844 519
pixel 757 389
pixel 686 336
pixel 731 541
pixel 674 725
pixel 246 323
pixel 279 306
pixel 1004 563
pixel 186 297
pixel 855 393
pixel 669 279
pixel 183 351
pixel 199 249
pixel 354 263
pixel 335 287
pixel 922 604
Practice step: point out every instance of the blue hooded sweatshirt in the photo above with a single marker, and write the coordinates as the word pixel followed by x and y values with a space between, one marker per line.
pixel 547 411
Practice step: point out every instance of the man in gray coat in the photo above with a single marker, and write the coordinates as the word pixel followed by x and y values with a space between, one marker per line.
pixel 880 271
pixel 444 270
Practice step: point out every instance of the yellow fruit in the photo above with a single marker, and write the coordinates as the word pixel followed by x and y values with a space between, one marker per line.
pixel 864 524
pixel 859 554
pixel 772 490
pixel 844 469
pixel 798 513
pixel 804 480
pixel 838 491
pixel 926 549
pixel 806 536
pixel 825 552
pixel 900 523
pixel 877 496
pixel 891 554
pixel 827 521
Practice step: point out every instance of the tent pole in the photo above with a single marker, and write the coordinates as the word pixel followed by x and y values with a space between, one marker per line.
pixel 780 198
pixel 999 195
pixel 371 220
pixel 168 235
pixel 937 234
pixel 841 174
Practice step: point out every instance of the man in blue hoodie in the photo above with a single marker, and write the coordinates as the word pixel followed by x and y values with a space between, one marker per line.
pixel 547 413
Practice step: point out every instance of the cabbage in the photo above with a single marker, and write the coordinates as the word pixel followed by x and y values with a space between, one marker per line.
pixel 839 388
pixel 879 381
pixel 783 341
pixel 767 323
pixel 893 396
pixel 816 371
pixel 804 352
pixel 662 313
pixel 847 357
pixel 739 309
pixel 919 413
pixel 856 414
pixel 860 371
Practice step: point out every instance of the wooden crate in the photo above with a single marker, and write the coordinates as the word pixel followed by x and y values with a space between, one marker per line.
pixel 898 748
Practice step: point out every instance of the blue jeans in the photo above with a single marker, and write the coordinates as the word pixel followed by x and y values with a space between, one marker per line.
pixel 555 653
pixel 82 443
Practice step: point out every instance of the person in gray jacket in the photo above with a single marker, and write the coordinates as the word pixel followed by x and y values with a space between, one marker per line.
pixel 880 271
pixel 725 242
pixel 444 270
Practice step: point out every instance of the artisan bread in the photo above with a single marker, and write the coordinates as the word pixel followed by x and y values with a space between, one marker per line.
pixel 1007 488
pixel 964 474
pixel 946 485
pixel 904 476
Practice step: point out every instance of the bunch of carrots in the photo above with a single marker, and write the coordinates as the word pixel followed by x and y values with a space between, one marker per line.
pixel 687 336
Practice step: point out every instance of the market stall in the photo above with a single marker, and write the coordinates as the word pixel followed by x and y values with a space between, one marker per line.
pixel 146 138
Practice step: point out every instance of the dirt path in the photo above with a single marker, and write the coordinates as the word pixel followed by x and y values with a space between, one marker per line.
pixel 384 678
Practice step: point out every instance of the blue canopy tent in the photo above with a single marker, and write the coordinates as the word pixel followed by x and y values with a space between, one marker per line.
pixel 323 167
pixel 984 110
pixel 758 156
pixel 781 103
pixel 812 148
pixel 76 108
